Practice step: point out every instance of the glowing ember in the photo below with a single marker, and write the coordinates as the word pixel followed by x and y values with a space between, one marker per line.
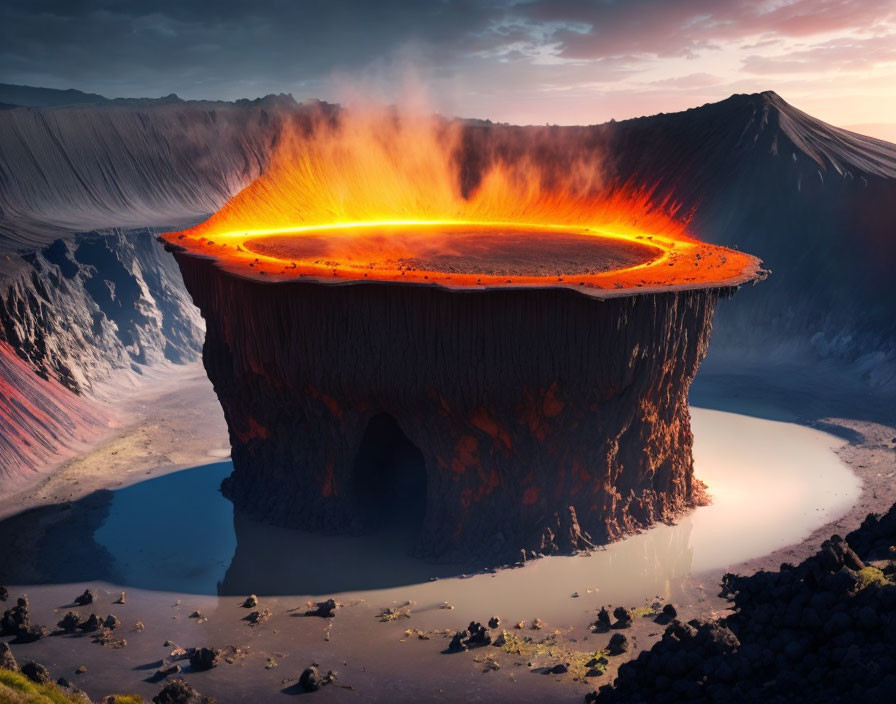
pixel 378 197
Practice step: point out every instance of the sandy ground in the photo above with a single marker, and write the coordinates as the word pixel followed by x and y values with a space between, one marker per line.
pixel 176 423
pixel 172 421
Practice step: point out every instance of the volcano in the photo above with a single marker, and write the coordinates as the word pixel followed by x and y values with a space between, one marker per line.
pixel 533 342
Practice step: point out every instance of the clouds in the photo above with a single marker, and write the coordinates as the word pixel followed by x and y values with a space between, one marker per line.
pixel 519 60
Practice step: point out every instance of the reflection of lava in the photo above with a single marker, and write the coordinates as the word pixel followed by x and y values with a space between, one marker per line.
pixel 379 198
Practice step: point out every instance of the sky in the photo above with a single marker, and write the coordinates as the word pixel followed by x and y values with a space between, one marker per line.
pixel 520 61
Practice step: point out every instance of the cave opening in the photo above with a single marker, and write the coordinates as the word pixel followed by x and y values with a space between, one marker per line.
pixel 389 479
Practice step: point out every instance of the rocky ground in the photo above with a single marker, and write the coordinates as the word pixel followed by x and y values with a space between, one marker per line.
pixel 393 651
pixel 822 630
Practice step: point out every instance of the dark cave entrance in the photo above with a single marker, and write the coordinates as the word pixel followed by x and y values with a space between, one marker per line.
pixel 389 479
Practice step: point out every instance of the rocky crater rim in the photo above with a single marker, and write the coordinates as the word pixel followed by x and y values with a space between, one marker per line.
pixel 469 255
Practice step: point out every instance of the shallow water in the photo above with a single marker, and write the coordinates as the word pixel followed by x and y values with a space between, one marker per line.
pixel 772 483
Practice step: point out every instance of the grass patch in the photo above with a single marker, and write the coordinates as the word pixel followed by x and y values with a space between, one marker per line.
pixel 551 651
pixel 15 688
pixel 872 575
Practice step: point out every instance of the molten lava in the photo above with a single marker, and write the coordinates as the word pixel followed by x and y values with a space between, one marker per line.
pixel 378 196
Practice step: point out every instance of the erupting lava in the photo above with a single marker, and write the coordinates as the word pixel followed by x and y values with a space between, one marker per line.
pixel 546 420
pixel 381 197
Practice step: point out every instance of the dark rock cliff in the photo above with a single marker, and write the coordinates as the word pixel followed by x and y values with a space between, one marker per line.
pixel 548 420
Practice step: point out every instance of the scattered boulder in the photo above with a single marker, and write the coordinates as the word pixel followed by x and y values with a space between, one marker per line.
pixel 165 669
pixel 70 621
pixel 196 614
pixel 4 593
pixel 81 669
pixel 670 611
pixel 111 622
pixel 618 644
pixel 311 679
pixel 7 660
pixel 494 622
pixel 179 692
pixel 251 602
pixel 324 609
pixel 479 635
pixel 15 619
pixel 821 630
pixel 32 633
pixel 85 599
pixel 457 642
pixel 257 617
pixel 623 617
pixel 90 624
pixel 559 669
pixel 202 659
pixel 36 672
pixel 123 599
pixel 602 623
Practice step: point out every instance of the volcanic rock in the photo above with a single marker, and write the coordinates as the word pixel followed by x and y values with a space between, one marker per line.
pixel 204 658
pixel 251 602
pixel 7 660
pixel 311 680
pixel 457 643
pixel 603 620
pixel 4 593
pixel 618 644
pixel 15 619
pixel 91 623
pixel 86 598
pixel 623 617
pixel 494 622
pixel 70 621
pixel 324 609
pixel 479 635
pixel 36 672
pixel 179 692
pixel 511 456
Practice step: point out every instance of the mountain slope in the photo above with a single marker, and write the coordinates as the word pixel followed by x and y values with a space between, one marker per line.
pixel 84 168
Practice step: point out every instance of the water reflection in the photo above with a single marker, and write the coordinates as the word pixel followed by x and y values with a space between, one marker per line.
pixel 772 484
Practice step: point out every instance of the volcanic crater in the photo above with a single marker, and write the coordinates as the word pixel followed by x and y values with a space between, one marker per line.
pixel 538 372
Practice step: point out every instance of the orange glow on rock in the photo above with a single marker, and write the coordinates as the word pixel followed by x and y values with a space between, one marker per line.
pixel 377 196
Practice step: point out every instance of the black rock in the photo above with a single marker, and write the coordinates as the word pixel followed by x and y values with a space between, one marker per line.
pixel 623 617
pixel 478 634
pixel 324 609
pixel 202 659
pixel 618 644
pixel 84 599
pixel 670 611
pixel 16 619
pixel 7 661
pixel 457 642
pixel 4 593
pixel 494 622
pixel 91 623
pixel 558 669
pixel 32 633
pixel 70 621
pixel 603 620
pixel 251 602
pixel 111 622
pixel 36 672
pixel 179 692
pixel 311 679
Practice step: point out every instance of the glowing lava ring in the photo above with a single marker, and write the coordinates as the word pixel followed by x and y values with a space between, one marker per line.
pixel 463 254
